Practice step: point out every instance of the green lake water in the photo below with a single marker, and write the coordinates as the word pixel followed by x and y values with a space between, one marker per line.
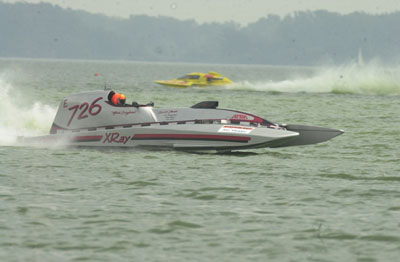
pixel 335 201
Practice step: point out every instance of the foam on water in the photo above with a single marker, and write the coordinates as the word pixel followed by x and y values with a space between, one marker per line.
pixel 21 119
pixel 369 79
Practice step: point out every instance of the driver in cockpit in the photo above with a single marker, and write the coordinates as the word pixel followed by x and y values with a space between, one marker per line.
pixel 118 99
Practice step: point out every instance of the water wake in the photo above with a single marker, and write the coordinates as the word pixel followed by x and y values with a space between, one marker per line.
pixel 17 119
pixel 370 79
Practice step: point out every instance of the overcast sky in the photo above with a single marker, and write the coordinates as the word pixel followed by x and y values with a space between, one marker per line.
pixel 240 11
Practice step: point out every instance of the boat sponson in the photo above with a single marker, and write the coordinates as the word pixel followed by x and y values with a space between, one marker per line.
pixel 309 135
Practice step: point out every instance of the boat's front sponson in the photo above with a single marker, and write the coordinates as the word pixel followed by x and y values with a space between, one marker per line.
pixel 309 135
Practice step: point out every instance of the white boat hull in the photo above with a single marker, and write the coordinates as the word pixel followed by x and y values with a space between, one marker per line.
pixel 189 137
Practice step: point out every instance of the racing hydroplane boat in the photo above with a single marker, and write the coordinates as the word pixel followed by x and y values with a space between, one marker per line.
pixel 89 119
pixel 197 79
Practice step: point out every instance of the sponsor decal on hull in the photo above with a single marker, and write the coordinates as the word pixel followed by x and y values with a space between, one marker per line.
pixel 236 129
pixel 242 117
pixel 115 137
pixel 124 113
pixel 168 115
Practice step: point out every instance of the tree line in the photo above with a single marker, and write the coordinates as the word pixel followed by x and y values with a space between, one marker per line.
pixel 304 38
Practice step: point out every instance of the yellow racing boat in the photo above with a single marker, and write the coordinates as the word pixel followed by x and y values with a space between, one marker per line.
pixel 196 79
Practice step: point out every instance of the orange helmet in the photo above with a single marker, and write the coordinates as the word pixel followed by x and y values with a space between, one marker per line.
pixel 118 99
pixel 122 99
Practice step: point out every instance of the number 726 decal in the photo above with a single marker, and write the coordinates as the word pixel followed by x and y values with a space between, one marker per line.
pixel 92 110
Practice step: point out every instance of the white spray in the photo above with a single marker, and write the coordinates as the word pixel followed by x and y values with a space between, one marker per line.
pixel 21 120
pixel 369 79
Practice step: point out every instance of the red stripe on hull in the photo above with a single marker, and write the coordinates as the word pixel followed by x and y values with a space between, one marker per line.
pixel 191 137
pixel 86 138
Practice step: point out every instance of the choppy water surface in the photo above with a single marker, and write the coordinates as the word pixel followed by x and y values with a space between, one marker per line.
pixel 336 201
